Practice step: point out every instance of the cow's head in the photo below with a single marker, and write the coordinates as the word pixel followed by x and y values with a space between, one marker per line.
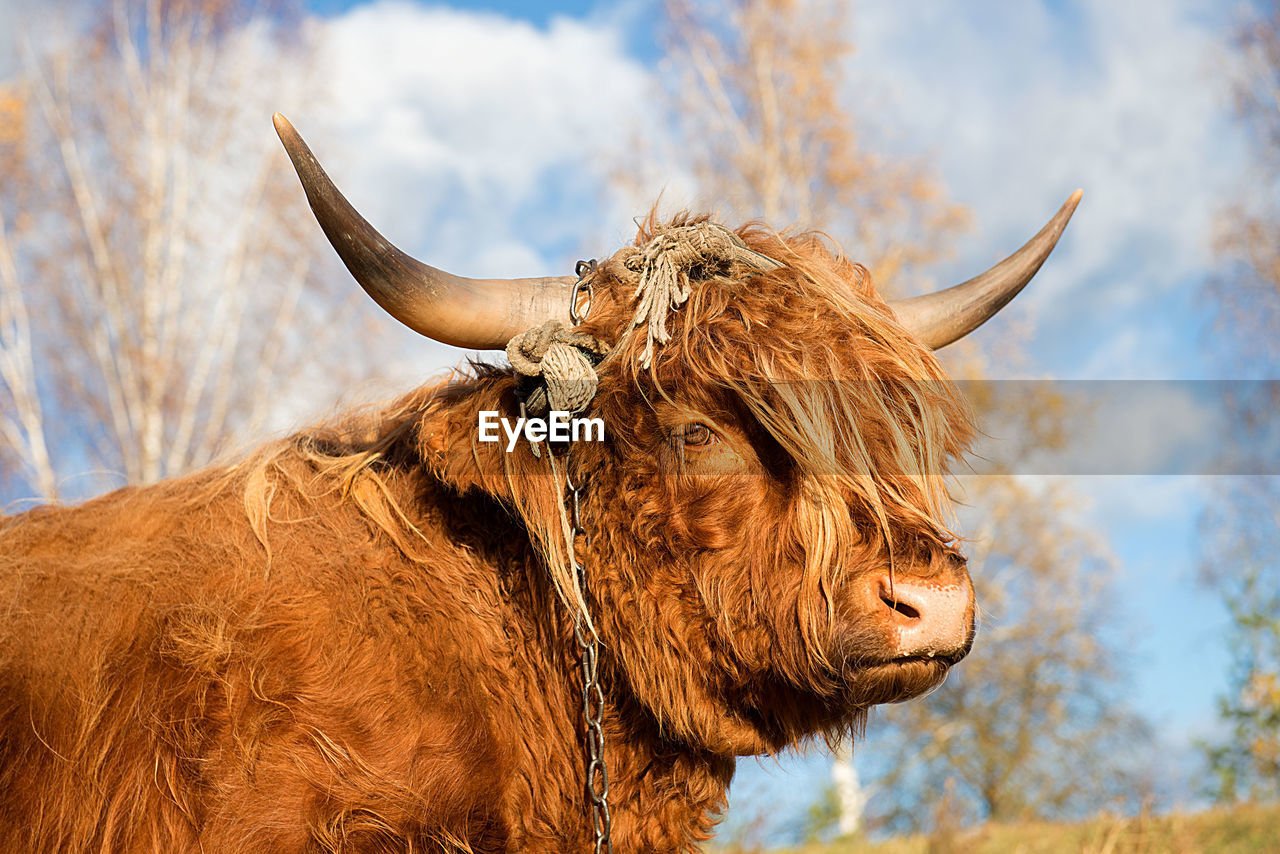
pixel 769 552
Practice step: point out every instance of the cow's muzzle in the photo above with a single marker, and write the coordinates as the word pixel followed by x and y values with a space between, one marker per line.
pixel 925 617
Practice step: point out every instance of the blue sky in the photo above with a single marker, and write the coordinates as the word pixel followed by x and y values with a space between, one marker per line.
pixel 469 117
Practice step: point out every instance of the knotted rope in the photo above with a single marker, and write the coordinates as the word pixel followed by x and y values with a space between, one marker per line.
pixel 564 360
pixel 662 267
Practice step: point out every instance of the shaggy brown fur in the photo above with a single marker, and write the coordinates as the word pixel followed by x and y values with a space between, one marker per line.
pixel 351 641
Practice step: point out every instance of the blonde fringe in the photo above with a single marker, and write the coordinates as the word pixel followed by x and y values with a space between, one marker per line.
pixel 873 432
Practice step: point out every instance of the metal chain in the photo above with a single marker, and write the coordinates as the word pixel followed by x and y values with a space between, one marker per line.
pixel 597 780
pixel 592 695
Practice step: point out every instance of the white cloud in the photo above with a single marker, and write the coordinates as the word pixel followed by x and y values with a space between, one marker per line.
pixel 474 139
pixel 1122 503
pixel 1023 102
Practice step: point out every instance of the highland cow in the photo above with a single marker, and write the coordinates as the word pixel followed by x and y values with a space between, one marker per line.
pixel 362 638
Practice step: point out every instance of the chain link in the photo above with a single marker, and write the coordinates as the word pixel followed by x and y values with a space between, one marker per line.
pixel 597 777
pixel 585 284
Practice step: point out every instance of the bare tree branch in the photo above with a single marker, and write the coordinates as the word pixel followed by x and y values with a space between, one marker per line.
pixel 173 242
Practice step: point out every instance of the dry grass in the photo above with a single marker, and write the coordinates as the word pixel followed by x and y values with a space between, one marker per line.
pixel 1243 829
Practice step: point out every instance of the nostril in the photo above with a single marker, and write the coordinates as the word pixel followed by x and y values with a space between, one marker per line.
pixel 924 617
pixel 901 607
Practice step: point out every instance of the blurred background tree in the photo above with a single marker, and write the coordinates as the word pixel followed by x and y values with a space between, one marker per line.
pixel 1033 724
pixel 757 90
pixel 1241 565
pixel 154 247
pixel 1241 529
pixel 1028 726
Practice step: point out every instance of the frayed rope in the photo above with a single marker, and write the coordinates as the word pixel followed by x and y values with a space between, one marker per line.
pixel 662 266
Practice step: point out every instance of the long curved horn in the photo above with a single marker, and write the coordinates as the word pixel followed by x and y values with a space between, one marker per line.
pixel 942 317
pixel 481 314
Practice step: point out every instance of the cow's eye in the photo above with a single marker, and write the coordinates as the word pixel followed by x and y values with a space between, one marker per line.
pixel 697 435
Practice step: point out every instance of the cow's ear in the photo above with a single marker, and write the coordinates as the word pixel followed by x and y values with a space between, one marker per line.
pixel 464 444
pixel 531 487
